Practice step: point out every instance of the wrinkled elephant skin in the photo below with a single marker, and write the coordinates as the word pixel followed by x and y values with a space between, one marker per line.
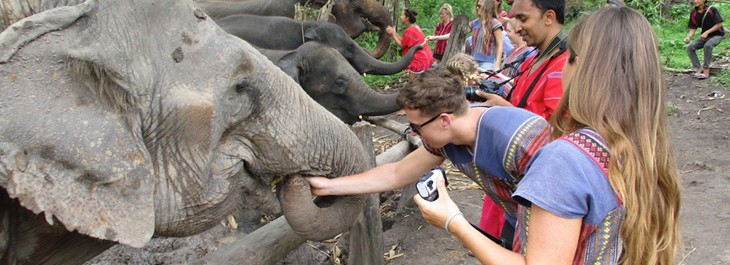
pixel 144 118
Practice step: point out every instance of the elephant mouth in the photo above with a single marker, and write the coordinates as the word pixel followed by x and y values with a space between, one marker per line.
pixel 320 218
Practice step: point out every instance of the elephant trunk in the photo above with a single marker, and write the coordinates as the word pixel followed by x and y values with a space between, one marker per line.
pixel 372 103
pixel 383 44
pixel 370 65
pixel 310 221
pixel 377 15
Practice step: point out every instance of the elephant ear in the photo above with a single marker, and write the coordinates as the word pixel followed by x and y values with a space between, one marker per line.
pixel 71 144
pixel 291 65
pixel 312 33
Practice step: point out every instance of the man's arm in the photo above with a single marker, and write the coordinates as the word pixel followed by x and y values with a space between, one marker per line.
pixel 714 28
pixel 500 49
pixel 379 179
pixel 689 36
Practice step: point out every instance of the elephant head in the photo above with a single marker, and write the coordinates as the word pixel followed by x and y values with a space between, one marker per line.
pixel 280 33
pixel 144 117
pixel 355 17
pixel 330 80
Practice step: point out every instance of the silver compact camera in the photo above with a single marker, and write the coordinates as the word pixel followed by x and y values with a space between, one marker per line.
pixel 426 185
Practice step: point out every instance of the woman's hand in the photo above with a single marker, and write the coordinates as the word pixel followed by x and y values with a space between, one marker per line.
pixel 428 38
pixel 437 212
pixel 493 99
pixel 390 30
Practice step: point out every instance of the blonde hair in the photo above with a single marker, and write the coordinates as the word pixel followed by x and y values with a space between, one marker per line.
pixel 463 66
pixel 618 89
pixel 448 9
pixel 490 10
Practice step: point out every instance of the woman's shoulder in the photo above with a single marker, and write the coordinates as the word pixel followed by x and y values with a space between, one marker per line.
pixel 496 23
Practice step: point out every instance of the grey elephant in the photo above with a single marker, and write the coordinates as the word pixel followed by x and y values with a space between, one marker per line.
pixel 329 79
pixel 354 16
pixel 280 33
pixel 122 120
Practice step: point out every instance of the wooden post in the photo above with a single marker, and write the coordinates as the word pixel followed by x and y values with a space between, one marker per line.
pixel 457 39
pixel 366 234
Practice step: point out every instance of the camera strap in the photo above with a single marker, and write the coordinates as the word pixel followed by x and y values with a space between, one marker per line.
pixel 558 41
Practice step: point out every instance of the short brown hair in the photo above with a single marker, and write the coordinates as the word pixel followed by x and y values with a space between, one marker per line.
pixel 434 92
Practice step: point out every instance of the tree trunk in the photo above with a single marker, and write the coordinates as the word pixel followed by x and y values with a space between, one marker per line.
pixel 457 39
pixel 393 6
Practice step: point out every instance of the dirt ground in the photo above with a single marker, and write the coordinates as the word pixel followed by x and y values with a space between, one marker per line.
pixel 700 127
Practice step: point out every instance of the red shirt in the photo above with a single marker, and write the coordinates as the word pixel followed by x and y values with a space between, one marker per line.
pixel 548 90
pixel 423 59
pixel 442 29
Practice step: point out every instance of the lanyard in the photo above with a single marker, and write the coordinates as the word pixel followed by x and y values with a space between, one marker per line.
pixel 557 41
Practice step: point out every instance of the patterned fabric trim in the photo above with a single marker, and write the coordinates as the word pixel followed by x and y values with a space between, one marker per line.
pixel 597 244
pixel 524 144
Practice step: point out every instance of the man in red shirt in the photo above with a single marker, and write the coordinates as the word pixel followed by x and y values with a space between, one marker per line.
pixel 539 86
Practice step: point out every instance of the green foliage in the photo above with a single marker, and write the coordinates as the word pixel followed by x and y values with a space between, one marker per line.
pixel 723 79
pixel 381 80
pixel 672 110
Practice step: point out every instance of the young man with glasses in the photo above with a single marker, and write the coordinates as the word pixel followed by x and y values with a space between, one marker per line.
pixel 490 145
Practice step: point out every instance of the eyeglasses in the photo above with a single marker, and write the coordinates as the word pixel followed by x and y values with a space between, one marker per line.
pixel 417 128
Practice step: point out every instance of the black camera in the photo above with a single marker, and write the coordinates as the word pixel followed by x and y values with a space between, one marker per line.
pixel 426 185
pixel 489 86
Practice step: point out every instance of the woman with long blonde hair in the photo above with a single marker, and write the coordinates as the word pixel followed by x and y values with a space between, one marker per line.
pixel 619 91
pixel 606 189
pixel 487 47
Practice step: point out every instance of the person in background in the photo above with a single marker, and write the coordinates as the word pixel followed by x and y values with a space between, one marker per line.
pixel 520 52
pixel 539 87
pixel 464 67
pixel 500 13
pixel 487 47
pixel 412 36
pixel 442 32
pixel 504 15
pixel 709 20
pixel 606 190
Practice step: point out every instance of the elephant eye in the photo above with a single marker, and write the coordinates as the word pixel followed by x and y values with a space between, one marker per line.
pixel 339 86
pixel 242 86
